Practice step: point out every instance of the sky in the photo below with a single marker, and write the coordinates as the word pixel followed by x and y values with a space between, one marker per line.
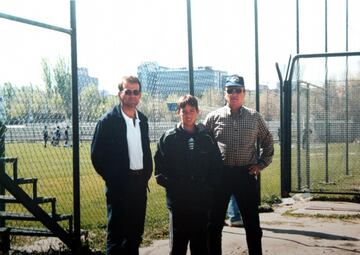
pixel 115 37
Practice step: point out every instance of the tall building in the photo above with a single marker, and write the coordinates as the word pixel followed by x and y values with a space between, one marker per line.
pixel 85 80
pixel 159 80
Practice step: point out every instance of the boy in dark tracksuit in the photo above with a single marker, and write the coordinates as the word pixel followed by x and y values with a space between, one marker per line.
pixel 188 164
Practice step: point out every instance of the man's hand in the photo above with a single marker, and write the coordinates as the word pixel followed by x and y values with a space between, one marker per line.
pixel 254 170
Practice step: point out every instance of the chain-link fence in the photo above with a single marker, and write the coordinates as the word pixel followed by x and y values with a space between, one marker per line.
pixel 39 133
pixel 325 124
pixel 37 117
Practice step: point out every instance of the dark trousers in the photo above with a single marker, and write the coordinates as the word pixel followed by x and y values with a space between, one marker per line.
pixel 126 209
pixel 244 186
pixel 188 227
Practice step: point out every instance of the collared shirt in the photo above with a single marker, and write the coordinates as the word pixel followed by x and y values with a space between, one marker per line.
pixel 133 135
pixel 237 135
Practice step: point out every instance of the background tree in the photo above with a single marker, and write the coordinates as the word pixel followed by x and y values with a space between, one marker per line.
pixel 92 103
pixel 210 100
pixel 47 77
pixel 270 104
pixel 8 94
pixel 62 78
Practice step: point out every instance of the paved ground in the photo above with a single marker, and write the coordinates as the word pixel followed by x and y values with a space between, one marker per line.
pixel 304 234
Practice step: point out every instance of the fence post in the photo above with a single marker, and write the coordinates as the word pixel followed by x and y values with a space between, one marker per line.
pixel 2 167
pixel 286 142
pixel 4 241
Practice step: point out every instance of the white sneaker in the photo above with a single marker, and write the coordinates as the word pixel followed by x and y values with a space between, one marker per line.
pixel 237 223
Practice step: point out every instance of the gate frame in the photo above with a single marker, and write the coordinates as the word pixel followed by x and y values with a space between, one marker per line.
pixel 286 103
pixel 75 111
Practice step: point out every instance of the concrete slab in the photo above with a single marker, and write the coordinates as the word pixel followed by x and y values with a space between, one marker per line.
pixel 326 208
pixel 284 234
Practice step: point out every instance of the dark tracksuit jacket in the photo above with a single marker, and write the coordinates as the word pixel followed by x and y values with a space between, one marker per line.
pixel 189 176
pixel 109 149
pixel 189 166
pixel 125 193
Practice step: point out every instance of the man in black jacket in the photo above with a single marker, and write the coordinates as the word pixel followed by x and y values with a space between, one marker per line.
pixel 120 153
pixel 188 164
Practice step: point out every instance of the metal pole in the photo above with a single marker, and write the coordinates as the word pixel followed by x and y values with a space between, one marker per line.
pixel 298 134
pixel 285 155
pixel 34 23
pixel 283 175
pixel 75 126
pixel 298 114
pixel 257 96
pixel 318 55
pixel 297 28
pixel 286 138
pixel 327 113
pixel 308 132
pixel 190 54
pixel 256 57
pixel 2 166
pixel 347 93
pixel 326 26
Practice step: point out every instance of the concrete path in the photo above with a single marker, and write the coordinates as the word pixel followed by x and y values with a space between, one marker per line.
pixel 293 228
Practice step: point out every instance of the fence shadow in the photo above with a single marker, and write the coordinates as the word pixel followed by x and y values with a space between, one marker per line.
pixel 314 234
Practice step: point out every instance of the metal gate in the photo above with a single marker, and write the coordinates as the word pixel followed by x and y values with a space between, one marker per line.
pixel 320 150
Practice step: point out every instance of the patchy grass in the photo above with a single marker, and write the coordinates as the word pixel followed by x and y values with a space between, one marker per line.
pixel 344 198
pixel 324 216
pixel 53 168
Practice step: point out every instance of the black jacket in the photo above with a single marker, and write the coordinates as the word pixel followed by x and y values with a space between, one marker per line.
pixel 189 176
pixel 109 148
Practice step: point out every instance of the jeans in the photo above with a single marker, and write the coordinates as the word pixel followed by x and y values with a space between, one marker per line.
pixel 126 209
pixel 233 211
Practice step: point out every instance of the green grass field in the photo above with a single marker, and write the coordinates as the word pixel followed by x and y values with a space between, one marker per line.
pixel 53 167
pixel 315 176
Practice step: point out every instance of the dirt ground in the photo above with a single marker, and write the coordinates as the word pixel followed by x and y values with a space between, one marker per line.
pixel 297 226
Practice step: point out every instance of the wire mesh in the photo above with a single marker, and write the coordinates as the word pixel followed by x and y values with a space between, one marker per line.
pixel 325 126
pixel 39 133
pixel 25 110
